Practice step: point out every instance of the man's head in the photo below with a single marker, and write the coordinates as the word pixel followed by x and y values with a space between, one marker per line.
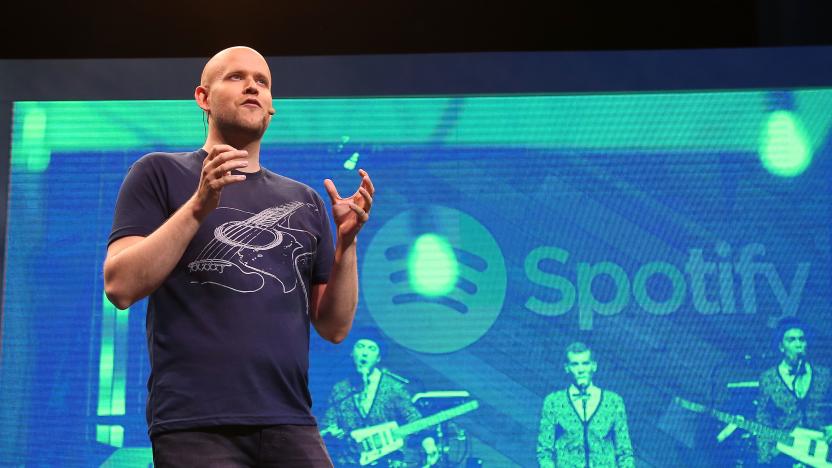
pixel 790 338
pixel 235 93
pixel 366 354
pixel 580 365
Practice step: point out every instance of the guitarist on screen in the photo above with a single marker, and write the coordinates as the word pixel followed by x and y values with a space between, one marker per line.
pixel 372 396
pixel 793 393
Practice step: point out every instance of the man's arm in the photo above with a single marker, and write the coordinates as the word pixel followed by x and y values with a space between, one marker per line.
pixel 546 434
pixel 332 305
pixel 135 266
pixel 329 423
pixel 621 437
pixel 826 413
pixel 408 413
pixel 766 448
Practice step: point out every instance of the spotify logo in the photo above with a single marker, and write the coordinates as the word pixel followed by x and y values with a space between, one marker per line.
pixel 434 279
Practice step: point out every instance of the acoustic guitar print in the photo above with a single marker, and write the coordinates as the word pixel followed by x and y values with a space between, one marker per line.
pixel 234 258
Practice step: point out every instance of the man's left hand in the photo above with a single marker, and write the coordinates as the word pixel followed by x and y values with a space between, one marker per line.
pixel 352 212
pixel 431 451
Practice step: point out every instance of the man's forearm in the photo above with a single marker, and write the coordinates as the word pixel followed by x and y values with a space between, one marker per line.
pixel 336 310
pixel 137 270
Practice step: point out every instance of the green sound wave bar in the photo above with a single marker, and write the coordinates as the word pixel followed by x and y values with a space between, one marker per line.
pixel 112 371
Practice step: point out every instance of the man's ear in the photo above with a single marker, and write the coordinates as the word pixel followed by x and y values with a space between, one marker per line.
pixel 201 97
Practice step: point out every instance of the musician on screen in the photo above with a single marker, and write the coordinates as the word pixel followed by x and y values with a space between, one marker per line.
pixel 793 394
pixel 583 425
pixel 369 397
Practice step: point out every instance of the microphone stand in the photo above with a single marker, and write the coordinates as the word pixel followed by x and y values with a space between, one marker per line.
pixel 584 396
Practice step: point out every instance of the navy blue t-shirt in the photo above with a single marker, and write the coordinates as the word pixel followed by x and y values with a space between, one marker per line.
pixel 228 330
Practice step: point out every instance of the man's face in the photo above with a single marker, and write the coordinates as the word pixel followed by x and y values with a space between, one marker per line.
pixel 581 368
pixel 366 355
pixel 793 344
pixel 239 96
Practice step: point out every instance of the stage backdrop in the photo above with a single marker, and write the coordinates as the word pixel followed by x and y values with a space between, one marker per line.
pixel 667 230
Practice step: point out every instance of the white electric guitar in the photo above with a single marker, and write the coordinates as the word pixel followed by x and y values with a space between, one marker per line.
pixel 383 439
pixel 804 445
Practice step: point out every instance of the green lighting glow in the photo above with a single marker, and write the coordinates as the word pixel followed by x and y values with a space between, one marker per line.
pixel 659 121
pixel 432 266
pixel 784 148
pixel 33 155
pixel 350 163
pixel 110 434
pixel 130 457
pixel 112 367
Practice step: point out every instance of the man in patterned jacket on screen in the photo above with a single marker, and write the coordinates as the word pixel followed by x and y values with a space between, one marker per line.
pixel 370 396
pixel 583 425
pixel 795 393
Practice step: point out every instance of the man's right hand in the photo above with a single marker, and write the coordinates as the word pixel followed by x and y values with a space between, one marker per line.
pixel 216 174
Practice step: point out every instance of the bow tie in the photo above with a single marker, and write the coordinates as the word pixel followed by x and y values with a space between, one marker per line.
pixel 579 396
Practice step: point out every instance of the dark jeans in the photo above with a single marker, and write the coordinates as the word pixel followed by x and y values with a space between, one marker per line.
pixel 286 446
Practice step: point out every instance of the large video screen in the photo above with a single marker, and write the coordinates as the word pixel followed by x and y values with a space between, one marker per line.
pixel 667 231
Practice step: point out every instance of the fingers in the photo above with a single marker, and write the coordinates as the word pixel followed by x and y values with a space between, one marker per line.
pixel 213 161
pixel 228 166
pixel 361 213
pixel 218 184
pixel 329 185
pixel 217 166
pixel 366 182
pixel 217 149
pixel 368 199
pixel 360 203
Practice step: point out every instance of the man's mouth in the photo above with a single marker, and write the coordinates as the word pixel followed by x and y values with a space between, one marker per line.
pixel 254 102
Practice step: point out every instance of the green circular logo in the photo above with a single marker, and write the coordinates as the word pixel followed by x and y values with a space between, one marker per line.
pixel 434 279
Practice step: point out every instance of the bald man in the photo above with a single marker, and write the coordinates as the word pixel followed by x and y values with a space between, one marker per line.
pixel 237 261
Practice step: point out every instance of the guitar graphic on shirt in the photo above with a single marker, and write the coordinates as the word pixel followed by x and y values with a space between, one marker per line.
pixel 234 258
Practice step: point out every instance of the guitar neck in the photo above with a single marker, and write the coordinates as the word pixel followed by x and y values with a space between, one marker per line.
pixel 751 426
pixel 437 418
pixel 271 216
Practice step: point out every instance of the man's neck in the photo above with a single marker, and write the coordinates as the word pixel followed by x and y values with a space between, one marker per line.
pixel 790 366
pixel 589 387
pixel 369 373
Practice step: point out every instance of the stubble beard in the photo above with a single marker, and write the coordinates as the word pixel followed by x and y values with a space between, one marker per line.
pixel 238 131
